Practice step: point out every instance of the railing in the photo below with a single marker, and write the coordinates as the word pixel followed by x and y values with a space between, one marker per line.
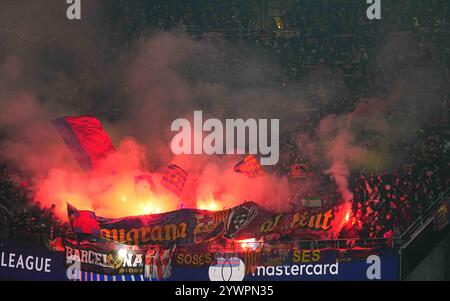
pixel 335 244
pixel 406 235
pixel 348 243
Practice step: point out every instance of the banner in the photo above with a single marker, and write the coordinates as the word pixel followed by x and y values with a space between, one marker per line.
pixel 194 226
pixel 103 260
pixel 296 265
pixel 261 262
pixel 23 261
pixel 104 257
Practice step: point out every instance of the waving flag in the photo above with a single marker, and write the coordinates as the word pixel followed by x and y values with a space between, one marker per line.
pixel 86 138
pixel 146 177
pixel 174 179
pixel 249 166
pixel 83 221
pixel 158 262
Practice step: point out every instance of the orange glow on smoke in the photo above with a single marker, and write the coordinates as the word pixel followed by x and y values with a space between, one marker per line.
pixel 150 208
pixel 347 216
pixel 110 189
pixel 209 204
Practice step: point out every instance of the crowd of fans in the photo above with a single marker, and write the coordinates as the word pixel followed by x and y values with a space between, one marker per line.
pixel 384 203
pixel 299 34
pixel 300 37
pixel 22 218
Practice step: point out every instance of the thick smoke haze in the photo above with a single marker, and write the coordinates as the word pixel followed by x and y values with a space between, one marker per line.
pixel 52 67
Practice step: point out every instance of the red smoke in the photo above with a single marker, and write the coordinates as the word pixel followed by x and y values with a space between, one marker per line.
pixel 111 190
pixel 156 91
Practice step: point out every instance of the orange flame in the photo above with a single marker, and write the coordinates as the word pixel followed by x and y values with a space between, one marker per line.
pixel 209 204
pixel 248 244
pixel 347 216
pixel 111 191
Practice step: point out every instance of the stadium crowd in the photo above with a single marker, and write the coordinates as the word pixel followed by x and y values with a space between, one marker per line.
pixel 21 216
pixel 385 203
pixel 299 34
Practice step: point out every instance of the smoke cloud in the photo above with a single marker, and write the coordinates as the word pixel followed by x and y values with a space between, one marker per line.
pixel 53 67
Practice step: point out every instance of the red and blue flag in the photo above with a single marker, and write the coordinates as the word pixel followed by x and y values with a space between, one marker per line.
pixel 83 221
pixel 86 138
pixel 249 166
pixel 174 179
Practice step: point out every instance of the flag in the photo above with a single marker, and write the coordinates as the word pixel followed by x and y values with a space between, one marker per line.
pixel 147 178
pixel 83 221
pixel 174 179
pixel 368 188
pixel 158 262
pixel 250 166
pixel 86 138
